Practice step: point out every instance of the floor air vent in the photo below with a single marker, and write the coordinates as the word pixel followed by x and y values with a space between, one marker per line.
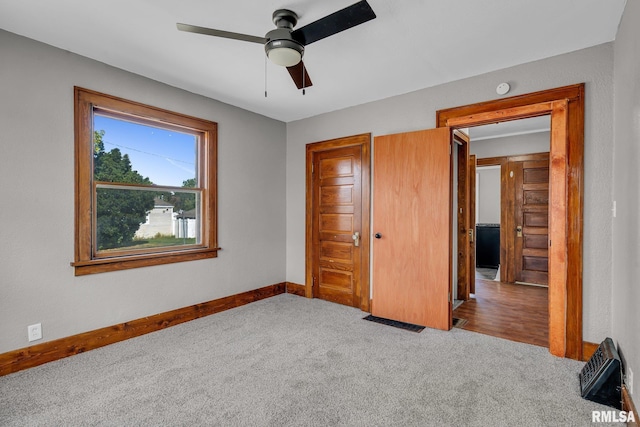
pixel 601 377
pixel 395 323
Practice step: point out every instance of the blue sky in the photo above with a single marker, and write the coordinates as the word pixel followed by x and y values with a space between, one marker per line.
pixel 166 157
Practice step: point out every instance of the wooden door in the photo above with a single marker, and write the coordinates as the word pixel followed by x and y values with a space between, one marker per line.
pixel 337 225
pixel 472 223
pixel 412 225
pixel 531 218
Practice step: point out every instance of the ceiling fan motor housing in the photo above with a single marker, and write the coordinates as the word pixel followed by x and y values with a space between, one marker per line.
pixel 282 49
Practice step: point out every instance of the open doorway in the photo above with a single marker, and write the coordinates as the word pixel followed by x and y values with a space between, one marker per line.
pixel 566 196
pixel 512 198
pixel 509 220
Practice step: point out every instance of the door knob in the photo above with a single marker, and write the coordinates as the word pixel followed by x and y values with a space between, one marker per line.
pixel 519 231
pixel 377 235
pixel 356 238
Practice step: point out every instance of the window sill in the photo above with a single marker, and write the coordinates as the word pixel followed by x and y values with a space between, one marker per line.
pixel 104 265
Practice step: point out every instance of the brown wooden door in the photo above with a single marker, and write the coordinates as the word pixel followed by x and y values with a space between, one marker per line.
pixel 531 218
pixel 412 217
pixel 337 219
pixel 472 223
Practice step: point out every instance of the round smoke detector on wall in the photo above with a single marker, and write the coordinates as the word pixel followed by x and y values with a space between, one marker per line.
pixel 503 88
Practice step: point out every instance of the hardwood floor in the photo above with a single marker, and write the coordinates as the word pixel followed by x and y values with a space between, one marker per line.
pixel 511 311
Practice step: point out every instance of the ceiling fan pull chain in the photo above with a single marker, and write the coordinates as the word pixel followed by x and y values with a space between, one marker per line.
pixel 304 89
pixel 265 76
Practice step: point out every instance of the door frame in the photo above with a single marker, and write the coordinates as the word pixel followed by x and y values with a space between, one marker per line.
pixel 566 203
pixel 472 223
pixel 462 225
pixel 363 140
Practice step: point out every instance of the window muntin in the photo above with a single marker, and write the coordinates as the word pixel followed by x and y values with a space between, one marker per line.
pixel 145 185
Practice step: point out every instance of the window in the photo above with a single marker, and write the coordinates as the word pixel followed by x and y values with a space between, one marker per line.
pixel 145 185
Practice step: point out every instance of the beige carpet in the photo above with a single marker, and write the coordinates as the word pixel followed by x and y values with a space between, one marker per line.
pixel 291 361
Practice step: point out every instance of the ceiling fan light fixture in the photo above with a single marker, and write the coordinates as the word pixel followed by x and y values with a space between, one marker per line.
pixel 285 53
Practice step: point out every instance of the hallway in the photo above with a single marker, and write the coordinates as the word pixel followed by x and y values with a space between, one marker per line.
pixel 511 311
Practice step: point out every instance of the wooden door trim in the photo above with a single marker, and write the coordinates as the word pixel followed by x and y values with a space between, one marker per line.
pixel 363 140
pixel 462 225
pixel 472 223
pixel 566 106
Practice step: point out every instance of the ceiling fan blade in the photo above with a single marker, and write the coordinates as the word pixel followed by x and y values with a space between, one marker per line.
pixel 299 75
pixel 341 20
pixel 219 33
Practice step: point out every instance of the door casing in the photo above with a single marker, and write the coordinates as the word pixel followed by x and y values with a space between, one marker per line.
pixel 472 223
pixel 463 225
pixel 566 204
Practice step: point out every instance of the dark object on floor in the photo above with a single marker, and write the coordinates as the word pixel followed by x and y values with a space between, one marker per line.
pixel 394 323
pixel 487 245
pixel 486 273
pixel 459 323
pixel 601 377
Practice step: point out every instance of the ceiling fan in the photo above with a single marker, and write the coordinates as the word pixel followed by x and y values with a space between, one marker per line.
pixel 285 46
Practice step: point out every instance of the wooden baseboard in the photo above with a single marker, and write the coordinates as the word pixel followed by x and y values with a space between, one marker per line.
pixel 296 289
pixel 39 354
pixel 628 406
pixel 588 348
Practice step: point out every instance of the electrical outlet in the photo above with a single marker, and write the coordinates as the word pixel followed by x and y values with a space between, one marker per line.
pixel 629 380
pixel 34 332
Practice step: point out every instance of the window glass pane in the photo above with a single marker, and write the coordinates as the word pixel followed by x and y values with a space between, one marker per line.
pixel 135 153
pixel 135 219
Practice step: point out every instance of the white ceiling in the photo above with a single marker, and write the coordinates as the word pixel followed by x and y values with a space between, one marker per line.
pixel 412 44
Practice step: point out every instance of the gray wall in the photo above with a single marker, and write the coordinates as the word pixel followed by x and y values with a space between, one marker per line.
pixel 489 178
pixel 37 284
pixel 626 159
pixel 488 199
pixel 416 110
pixel 511 145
